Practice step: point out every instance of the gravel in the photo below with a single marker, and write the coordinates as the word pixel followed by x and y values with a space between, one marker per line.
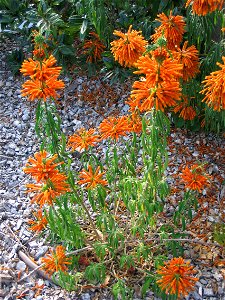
pixel 18 142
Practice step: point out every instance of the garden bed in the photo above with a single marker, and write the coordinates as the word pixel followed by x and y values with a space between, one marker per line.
pixel 18 142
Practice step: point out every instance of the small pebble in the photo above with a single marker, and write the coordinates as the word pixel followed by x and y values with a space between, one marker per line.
pixel 21 266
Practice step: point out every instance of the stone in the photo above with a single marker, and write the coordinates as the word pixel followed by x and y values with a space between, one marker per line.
pixel 208 292
pixel 218 276
pixel 21 266
pixel 203 281
pixel 41 252
pixel 85 296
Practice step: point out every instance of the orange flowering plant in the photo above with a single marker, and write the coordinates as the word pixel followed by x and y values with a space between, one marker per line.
pixel 110 206
pixel 195 180
pixel 93 48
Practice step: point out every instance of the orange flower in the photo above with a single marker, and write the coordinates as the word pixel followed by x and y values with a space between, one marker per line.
pixel 203 7
pixel 114 127
pixel 56 261
pixel 172 28
pixel 214 89
pixel 177 277
pixel 46 192
pixel 40 70
pixel 160 96
pixel 36 89
pixel 40 223
pixel 188 57
pixel 90 178
pixel 93 48
pixel 157 72
pixel 42 167
pixel 44 75
pixel 187 112
pixel 83 139
pixel 194 178
pixel 129 47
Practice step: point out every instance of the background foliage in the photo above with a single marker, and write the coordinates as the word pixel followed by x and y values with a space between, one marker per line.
pixel 66 25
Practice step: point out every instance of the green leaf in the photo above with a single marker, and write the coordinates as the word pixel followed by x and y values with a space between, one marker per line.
pixel 66 50
pixel 95 272
pixel 83 29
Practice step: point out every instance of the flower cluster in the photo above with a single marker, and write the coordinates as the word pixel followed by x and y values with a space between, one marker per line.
pixel 43 81
pixel 195 178
pixel 177 277
pixel 91 178
pixel 214 88
pixel 160 88
pixel 129 47
pixel 203 7
pixel 83 139
pixel 56 261
pixel 111 127
pixel 163 69
pixel 186 111
pixel 40 221
pixel 188 57
pixel 172 28
pixel 93 48
pixel 50 182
